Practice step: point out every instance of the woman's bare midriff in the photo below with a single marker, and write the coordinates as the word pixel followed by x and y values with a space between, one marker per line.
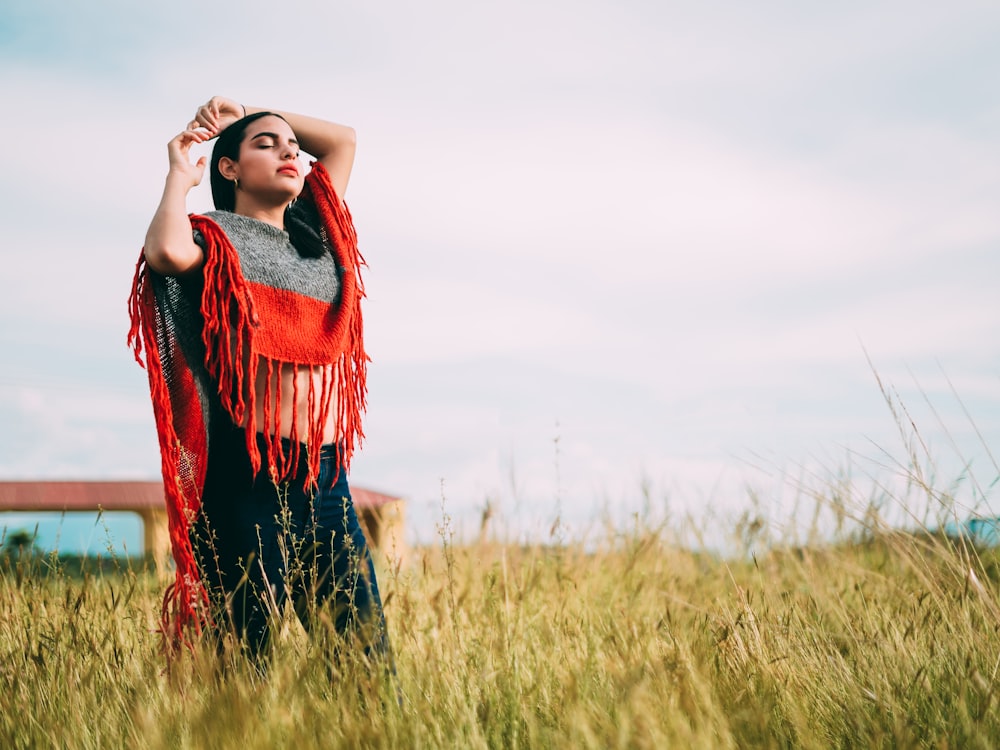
pixel 283 392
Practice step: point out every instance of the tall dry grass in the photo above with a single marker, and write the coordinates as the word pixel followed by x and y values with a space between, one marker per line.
pixel 889 641
pixel 867 637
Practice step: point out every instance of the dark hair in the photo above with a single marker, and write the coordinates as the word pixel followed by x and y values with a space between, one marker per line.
pixel 302 229
pixel 228 145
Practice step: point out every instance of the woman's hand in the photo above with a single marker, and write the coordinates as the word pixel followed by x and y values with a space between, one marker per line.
pixel 179 153
pixel 170 248
pixel 217 114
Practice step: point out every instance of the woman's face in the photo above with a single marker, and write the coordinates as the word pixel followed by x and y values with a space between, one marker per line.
pixel 269 166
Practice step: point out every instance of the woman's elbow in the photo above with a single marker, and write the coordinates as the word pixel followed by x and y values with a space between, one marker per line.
pixel 342 139
pixel 171 261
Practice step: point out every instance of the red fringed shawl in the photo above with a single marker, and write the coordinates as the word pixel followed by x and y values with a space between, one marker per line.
pixel 244 324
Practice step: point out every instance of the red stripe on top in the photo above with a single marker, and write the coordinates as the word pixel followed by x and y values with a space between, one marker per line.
pixel 294 327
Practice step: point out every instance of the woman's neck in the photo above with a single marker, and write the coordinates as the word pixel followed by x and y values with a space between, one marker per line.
pixel 273 215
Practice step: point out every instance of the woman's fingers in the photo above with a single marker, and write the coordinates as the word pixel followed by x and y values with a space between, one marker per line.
pixel 189 136
pixel 199 168
pixel 216 114
pixel 179 147
pixel 210 114
pixel 203 118
pixel 207 116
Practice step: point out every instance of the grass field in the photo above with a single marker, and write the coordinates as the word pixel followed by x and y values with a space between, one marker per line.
pixel 886 640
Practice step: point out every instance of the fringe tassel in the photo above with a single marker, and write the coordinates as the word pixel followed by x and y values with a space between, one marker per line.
pixel 229 320
pixel 293 433
pixel 350 371
pixel 185 602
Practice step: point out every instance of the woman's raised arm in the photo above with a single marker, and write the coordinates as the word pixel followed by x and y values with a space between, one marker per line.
pixel 333 145
pixel 170 248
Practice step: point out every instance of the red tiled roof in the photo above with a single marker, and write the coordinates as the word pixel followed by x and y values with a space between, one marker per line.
pixel 85 495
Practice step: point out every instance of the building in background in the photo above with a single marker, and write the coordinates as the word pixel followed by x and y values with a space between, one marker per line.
pixel 381 516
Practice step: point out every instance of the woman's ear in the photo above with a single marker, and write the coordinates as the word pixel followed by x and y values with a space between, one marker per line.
pixel 227 168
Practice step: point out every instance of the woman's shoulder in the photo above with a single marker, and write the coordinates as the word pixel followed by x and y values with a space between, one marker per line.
pixel 245 227
pixel 227 219
pixel 302 210
pixel 245 233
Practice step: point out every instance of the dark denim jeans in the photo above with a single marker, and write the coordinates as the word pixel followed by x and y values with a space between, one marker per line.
pixel 260 545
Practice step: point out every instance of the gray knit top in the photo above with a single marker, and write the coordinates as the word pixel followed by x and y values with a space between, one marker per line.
pixel 267 252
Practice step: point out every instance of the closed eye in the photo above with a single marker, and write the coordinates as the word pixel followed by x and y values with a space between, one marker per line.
pixel 268 140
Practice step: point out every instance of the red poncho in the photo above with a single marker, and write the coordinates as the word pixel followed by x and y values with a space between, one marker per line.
pixel 202 356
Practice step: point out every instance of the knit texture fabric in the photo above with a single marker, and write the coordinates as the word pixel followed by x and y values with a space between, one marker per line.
pixel 257 303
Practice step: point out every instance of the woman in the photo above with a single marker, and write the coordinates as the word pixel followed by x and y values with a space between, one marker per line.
pixel 251 321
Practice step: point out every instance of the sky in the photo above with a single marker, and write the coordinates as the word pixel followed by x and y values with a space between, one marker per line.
pixel 624 257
